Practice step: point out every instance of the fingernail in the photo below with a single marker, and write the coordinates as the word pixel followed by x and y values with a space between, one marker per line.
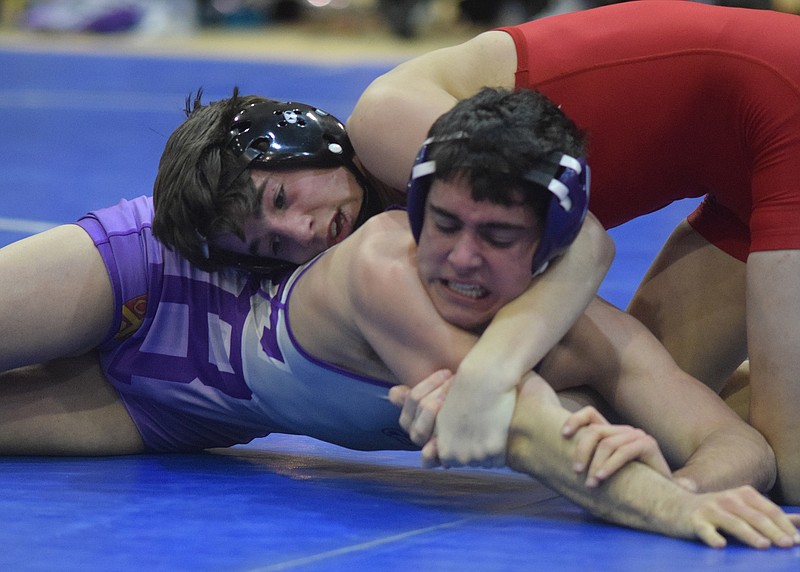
pixel 796 538
pixel 577 467
pixel 591 482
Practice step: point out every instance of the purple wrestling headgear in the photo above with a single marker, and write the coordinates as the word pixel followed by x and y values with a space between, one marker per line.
pixel 565 177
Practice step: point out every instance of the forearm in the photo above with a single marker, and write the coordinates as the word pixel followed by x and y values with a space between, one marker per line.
pixel 696 431
pixel 542 315
pixel 636 496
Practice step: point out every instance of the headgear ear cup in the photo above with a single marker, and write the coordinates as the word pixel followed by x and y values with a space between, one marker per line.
pixel 421 179
pixel 419 183
pixel 565 214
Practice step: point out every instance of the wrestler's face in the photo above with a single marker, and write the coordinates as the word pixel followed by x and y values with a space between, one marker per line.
pixel 303 212
pixel 474 256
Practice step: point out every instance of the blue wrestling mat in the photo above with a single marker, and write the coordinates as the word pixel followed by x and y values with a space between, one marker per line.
pixel 291 503
pixel 80 131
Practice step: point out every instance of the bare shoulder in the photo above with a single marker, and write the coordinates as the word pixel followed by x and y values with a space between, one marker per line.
pixel 496 52
pixel 382 257
pixel 391 309
pixel 488 59
pixel 361 305
pixel 417 92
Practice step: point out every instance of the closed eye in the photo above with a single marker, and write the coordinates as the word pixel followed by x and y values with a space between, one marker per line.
pixel 447 227
pixel 499 240
pixel 444 222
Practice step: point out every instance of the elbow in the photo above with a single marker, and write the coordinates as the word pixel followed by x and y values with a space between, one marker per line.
pixel 768 478
pixel 369 117
pixel 763 463
pixel 363 114
pixel 755 464
pixel 603 249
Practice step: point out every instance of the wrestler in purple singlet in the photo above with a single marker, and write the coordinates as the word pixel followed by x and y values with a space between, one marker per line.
pixel 206 360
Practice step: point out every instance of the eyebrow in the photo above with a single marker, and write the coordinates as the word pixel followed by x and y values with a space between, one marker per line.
pixel 490 225
pixel 260 190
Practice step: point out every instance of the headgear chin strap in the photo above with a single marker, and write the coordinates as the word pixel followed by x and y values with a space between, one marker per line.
pixel 566 177
pixel 290 135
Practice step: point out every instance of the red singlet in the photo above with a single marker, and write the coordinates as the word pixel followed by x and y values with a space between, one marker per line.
pixel 680 99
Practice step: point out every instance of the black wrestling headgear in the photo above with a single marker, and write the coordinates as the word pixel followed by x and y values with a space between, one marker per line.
pixel 290 135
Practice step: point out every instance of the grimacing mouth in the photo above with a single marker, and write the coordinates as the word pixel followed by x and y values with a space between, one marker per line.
pixel 474 291
pixel 336 227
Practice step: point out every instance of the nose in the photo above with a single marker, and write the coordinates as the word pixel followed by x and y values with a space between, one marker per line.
pixel 296 227
pixel 465 253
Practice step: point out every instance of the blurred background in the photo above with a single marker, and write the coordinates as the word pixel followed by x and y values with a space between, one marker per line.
pixel 407 19
pixel 90 89
pixel 89 92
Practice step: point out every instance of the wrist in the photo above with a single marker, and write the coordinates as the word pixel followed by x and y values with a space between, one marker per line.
pixel 488 375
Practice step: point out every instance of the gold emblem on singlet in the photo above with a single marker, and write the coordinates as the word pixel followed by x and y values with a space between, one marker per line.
pixel 133 312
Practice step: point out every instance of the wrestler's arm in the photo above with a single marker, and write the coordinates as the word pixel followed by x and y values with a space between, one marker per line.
pixel 393 115
pixel 413 341
pixel 616 355
pixel 362 306
pixel 519 336
pixel 55 297
pixel 405 102
pixel 637 496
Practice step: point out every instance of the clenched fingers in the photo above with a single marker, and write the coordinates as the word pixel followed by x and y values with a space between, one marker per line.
pixel 616 451
pixel 582 418
pixel 430 454
pixel 421 404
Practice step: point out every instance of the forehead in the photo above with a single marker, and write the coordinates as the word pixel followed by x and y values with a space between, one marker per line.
pixel 261 176
pixel 456 198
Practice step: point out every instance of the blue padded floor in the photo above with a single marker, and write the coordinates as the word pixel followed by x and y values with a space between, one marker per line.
pixel 80 131
pixel 291 503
